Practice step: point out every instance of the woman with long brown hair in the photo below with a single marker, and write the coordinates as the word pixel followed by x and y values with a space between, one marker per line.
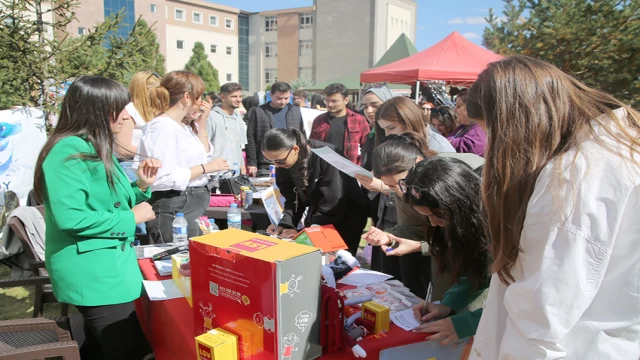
pixel 562 195
pixel 178 137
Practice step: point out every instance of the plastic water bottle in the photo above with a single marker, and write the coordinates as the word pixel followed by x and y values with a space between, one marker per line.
pixel 214 226
pixel 234 218
pixel 236 169
pixel 180 236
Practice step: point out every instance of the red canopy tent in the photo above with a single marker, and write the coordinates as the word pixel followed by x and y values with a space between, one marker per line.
pixel 454 59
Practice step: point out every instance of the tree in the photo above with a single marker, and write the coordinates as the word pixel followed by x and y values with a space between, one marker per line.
pixel 301 83
pixel 595 41
pixel 199 64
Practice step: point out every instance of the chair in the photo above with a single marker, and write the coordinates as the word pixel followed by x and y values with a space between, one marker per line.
pixel 39 338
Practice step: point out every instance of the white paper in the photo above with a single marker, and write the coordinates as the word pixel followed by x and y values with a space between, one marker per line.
pixel 152 250
pixel 405 319
pixel 162 290
pixel 340 162
pixel 164 267
pixel 362 277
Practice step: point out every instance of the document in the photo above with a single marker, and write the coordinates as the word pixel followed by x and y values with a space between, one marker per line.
pixel 162 290
pixel 152 250
pixel 363 277
pixel 164 267
pixel 340 162
pixel 405 319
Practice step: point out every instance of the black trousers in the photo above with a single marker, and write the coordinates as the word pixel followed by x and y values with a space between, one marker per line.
pixel 113 332
pixel 192 202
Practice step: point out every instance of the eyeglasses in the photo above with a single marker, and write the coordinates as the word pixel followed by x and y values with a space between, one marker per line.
pixel 415 191
pixel 283 160
pixel 154 74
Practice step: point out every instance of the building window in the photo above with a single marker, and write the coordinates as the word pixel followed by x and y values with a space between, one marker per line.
pixel 197 18
pixel 305 73
pixel 154 8
pixel 180 44
pixel 82 31
pixel 229 50
pixel 229 77
pixel 214 49
pixel 271 49
pixel 306 47
pixel 270 75
pixel 392 21
pixel 179 14
pixel 306 21
pixel 270 23
pixel 213 20
pixel 396 22
pixel 228 23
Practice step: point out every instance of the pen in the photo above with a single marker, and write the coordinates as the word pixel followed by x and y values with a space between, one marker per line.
pixel 427 299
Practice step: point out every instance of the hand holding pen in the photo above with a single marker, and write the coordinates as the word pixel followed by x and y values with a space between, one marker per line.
pixel 442 329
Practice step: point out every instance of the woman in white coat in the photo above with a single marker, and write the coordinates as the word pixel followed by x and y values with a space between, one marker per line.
pixel 561 191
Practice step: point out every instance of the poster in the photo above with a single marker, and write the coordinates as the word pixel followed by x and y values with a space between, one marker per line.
pixel 22 135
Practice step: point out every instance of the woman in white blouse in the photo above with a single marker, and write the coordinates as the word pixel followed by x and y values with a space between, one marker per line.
pixel 178 137
pixel 562 195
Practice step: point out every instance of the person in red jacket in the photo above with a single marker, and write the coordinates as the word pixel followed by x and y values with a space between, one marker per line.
pixel 339 126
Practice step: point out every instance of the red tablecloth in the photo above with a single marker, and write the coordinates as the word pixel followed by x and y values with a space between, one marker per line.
pixel 169 327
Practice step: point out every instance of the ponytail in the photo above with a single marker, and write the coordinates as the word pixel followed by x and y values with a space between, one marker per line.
pixel 398 153
pixel 160 99
pixel 285 139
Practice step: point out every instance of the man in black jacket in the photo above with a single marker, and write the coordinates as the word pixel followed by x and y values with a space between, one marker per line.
pixel 278 113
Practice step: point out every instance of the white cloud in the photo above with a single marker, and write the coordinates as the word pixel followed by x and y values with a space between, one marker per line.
pixel 472 20
pixel 471 35
pixel 456 21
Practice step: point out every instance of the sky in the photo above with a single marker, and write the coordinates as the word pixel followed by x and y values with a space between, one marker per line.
pixel 436 18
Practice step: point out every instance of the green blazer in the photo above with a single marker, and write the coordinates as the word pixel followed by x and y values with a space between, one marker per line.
pixel 90 228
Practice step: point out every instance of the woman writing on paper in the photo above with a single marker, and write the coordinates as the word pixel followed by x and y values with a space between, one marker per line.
pixel 307 181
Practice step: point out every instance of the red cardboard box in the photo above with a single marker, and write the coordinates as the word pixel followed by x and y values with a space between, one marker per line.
pixel 264 290
pixel 324 237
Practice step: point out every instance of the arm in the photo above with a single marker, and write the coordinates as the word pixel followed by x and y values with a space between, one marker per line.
pixel 300 122
pixel 315 135
pixel 68 187
pixel 290 217
pixel 466 323
pixel 141 195
pixel 252 129
pixel 332 203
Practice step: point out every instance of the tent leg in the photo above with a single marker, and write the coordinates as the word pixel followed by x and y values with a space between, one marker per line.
pixel 417 90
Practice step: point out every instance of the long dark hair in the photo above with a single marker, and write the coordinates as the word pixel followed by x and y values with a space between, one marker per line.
pixel 398 153
pixel 285 139
pixel 451 190
pixel 89 107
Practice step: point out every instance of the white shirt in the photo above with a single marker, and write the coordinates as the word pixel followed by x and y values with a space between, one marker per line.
pixel 178 148
pixel 138 123
pixel 576 293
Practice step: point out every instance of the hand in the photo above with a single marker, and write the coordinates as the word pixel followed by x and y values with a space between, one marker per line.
pixel 434 311
pixel 441 330
pixel 243 170
pixel 405 246
pixel 147 172
pixel 376 237
pixel 143 213
pixel 289 233
pixel 273 230
pixel 205 107
pixel 372 184
pixel 216 165
pixel 253 171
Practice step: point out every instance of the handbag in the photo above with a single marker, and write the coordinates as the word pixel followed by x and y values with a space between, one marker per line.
pixel 232 185
pixel 222 200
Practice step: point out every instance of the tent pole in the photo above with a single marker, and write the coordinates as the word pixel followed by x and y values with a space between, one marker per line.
pixel 417 90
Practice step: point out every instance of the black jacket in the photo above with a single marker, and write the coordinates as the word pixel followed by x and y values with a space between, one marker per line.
pixel 332 197
pixel 261 121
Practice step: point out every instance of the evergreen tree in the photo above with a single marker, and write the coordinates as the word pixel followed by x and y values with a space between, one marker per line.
pixel 200 64
pixel 595 41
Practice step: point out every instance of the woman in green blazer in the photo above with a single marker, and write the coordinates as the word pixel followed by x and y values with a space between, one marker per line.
pixel 91 215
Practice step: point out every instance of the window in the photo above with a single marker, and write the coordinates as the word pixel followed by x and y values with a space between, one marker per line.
pixel 229 50
pixel 306 21
pixel 270 23
pixel 305 73
pixel 82 31
pixel 392 21
pixel 180 44
pixel 179 14
pixel 270 75
pixel 154 8
pixel 228 23
pixel 271 49
pixel 306 47
pixel 213 20
pixel 214 49
pixel 396 22
pixel 197 18
pixel 229 77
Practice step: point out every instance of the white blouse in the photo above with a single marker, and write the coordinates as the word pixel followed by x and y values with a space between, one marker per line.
pixel 178 148
pixel 576 293
pixel 138 123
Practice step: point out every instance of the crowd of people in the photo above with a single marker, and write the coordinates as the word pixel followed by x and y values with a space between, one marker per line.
pixel 518 207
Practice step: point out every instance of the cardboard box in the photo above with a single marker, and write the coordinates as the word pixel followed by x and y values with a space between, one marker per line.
pixel 324 237
pixel 183 283
pixel 376 317
pixel 217 344
pixel 264 290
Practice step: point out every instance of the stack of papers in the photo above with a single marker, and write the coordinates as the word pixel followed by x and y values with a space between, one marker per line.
pixel 395 297
pixel 162 290
pixel 164 267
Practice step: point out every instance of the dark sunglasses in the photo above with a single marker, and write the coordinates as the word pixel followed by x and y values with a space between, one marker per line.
pixel 283 160
pixel 415 191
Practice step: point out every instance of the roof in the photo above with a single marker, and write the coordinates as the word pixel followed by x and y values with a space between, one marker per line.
pixel 454 59
pixel 400 49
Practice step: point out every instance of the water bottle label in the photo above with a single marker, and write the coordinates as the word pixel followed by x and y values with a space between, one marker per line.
pixel 179 230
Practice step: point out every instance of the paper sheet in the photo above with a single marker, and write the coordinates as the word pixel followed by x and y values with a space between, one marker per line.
pixel 405 319
pixel 164 267
pixel 152 250
pixel 362 277
pixel 340 162
pixel 162 290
